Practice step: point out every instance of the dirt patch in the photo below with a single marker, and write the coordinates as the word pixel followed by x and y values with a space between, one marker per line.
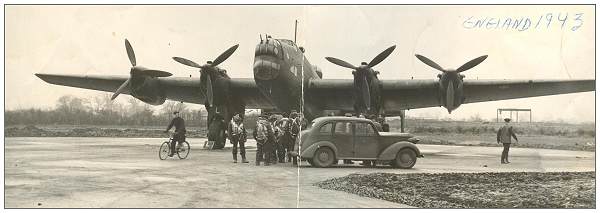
pixel 474 190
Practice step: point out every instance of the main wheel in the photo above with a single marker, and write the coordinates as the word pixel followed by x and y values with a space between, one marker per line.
pixel 163 152
pixel 323 157
pixel 405 159
pixel 184 150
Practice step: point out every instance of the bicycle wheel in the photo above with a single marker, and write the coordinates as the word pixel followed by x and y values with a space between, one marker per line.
pixel 163 152
pixel 184 150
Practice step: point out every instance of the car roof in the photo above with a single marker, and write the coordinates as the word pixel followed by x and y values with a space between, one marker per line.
pixel 339 118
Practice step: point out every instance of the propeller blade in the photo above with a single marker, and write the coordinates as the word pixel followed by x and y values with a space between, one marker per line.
pixel 450 94
pixel 382 56
pixel 130 52
pixel 429 62
pixel 186 62
pixel 156 73
pixel 224 55
pixel 209 91
pixel 366 94
pixel 471 64
pixel 121 89
pixel 341 63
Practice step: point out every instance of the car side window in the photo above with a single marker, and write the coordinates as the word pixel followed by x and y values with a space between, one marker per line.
pixel 326 129
pixel 343 128
pixel 364 129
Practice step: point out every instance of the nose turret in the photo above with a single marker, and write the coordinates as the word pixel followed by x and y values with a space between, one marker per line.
pixel 267 56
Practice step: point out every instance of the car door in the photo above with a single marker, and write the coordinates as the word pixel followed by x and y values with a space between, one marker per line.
pixel 343 139
pixel 365 141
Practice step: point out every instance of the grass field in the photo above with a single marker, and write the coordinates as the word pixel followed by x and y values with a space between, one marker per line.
pixel 466 133
pixel 531 135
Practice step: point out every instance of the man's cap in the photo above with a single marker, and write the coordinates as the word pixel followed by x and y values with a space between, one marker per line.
pixel 176 112
pixel 507 119
pixel 273 117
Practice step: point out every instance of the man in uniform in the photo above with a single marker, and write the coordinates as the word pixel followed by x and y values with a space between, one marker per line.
pixel 294 131
pixel 276 145
pixel 237 135
pixel 504 135
pixel 285 139
pixel 179 135
pixel 263 132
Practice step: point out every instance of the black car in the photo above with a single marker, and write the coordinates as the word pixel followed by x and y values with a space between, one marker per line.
pixel 329 139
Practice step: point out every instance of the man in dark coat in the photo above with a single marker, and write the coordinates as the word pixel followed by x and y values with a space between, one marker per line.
pixel 505 133
pixel 179 135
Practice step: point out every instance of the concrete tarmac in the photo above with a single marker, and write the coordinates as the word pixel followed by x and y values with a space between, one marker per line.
pixel 126 173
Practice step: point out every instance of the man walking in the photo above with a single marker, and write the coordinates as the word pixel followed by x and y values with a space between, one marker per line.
pixel 237 135
pixel 504 135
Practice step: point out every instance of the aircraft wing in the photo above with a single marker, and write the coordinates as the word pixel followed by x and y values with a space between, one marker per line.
pixel 411 94
pixel 177 88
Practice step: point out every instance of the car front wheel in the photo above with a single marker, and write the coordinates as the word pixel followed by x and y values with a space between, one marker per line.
pixel 323 157
pixel 405 159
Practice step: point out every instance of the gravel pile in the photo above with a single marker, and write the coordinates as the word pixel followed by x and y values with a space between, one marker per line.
pixel 474 190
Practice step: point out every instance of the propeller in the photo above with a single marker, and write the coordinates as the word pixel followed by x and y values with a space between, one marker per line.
pixel 378 59
pixel 207 69
pixel 362 71
pixel 136 71
pixel 462 68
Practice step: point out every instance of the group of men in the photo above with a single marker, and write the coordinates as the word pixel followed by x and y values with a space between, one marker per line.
pixel 275 138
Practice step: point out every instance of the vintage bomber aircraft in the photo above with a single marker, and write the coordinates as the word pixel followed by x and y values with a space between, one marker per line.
pixel 283 75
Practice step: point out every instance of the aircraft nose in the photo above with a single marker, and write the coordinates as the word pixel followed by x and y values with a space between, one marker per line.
pixel 265 68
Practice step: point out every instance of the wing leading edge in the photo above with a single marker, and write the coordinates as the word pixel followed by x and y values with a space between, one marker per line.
pixel 176 88
pixel 398 95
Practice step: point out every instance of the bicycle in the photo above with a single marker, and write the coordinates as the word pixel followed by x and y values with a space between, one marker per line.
pixel 182 149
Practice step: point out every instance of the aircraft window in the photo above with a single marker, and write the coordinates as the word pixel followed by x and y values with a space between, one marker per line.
pixel 263 49
pixel 257 50
pixel 326 128
pixel 276 51
pixel 343 128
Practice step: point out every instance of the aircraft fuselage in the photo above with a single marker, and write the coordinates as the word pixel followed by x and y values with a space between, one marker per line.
pixel 279 68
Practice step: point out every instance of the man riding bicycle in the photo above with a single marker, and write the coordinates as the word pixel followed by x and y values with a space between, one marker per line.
pixel 179 135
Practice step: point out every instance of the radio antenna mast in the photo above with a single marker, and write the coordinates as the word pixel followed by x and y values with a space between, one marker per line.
pixel 295 30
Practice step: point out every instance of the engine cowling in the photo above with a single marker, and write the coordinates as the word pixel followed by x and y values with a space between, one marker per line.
pixel 451 90
pixel 148 89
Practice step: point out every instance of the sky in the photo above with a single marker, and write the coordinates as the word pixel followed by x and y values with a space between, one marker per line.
pixel 558 44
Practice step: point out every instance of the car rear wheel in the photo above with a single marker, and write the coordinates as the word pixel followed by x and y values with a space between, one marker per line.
pixel 323 157
pixel 405 159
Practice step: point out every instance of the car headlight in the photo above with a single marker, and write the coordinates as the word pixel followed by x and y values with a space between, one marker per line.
pixel 414 140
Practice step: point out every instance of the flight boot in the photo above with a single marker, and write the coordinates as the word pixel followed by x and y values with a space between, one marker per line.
pixel 234 158
pixel 244 159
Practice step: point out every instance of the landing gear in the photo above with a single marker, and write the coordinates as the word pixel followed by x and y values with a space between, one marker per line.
pixel 216 132
pixel 216 127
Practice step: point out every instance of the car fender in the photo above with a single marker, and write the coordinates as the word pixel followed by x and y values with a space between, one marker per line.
pixel 390 152
pixel 310 151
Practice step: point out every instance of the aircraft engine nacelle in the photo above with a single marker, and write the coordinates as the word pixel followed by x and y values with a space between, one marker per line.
pixel 318 71
pixel 147 89
pixel 451 90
